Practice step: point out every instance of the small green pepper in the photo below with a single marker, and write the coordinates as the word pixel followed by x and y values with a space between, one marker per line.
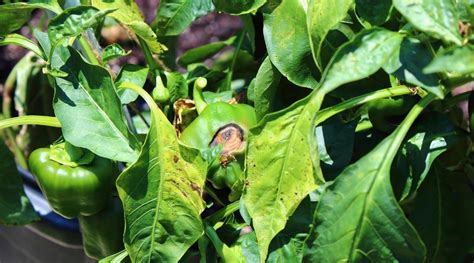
pixel 160 93
pixel 383 113
pixel 74 181
pixel 225 125
pixel 102 233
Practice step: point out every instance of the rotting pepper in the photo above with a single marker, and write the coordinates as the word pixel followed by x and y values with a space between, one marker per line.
pixel 221 126
pixel 102 233
pixel 74 180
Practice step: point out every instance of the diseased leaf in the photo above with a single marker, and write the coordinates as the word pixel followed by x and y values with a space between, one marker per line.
pixel 281 155
pixel 161 193
pixel 407 64
pixel 113 51
pixel 89 109
pixel 287 40
pixel 437 18
pixel 358 217
pixel 443 216
pixel 174 16
pixel 280 171
pixel 238 7
pixel 74 21
pixel 265 88
pixel 376 12
pixel 15 208
pixel 323 16
pixel 431 137
pixel 132 74
pixel 458 60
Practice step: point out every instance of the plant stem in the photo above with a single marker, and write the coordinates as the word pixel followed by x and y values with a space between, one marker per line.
pixel 148 57
pixel 30 120
pixel 212 194
pixel 223 213
pixel 359 100
pixel 363 126
pixel 148 99
pixel 89 52
pixel 453 101
pixel 234 59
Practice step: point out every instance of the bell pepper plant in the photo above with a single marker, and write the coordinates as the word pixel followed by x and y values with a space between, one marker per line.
pixel 317 131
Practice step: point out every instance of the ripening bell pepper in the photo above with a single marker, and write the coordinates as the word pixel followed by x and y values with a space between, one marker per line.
pixel 224 125
pixel 74 180
pixel 102 233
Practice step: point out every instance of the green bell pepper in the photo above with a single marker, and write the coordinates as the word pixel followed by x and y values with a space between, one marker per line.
pixel 102 233
pixel 384 112
pixel 74 181
pixel 225 125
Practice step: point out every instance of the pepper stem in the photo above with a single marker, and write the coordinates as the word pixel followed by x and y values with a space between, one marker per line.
pixel 70 155
pixel 199 84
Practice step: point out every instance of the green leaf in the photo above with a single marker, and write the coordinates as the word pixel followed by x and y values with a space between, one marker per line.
pixel 113 51
pixel 335 146
pixel 132 74
pixel 376 12
pixel 407 64
pixel 437 18
pixel 177 85
pixel 162 196
pixel 22 41
pixel 358 218
pixel 324 16
pixel 51 5
pixel 249 247
pixel 458 60
pixel 201 53
pixel 174 16
pixel 288 245
pixel 115 258
pixel 431 137
pixel 471 114
pixel 128 13
pixel 443 216
pixel 238 7
pixel 280 172
pixel 265 88
pixel 15 208
pixel 287 40
pixel 74 21
pixel 89 109
pixel 14 15
pixel 366 53
pixel 145 32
